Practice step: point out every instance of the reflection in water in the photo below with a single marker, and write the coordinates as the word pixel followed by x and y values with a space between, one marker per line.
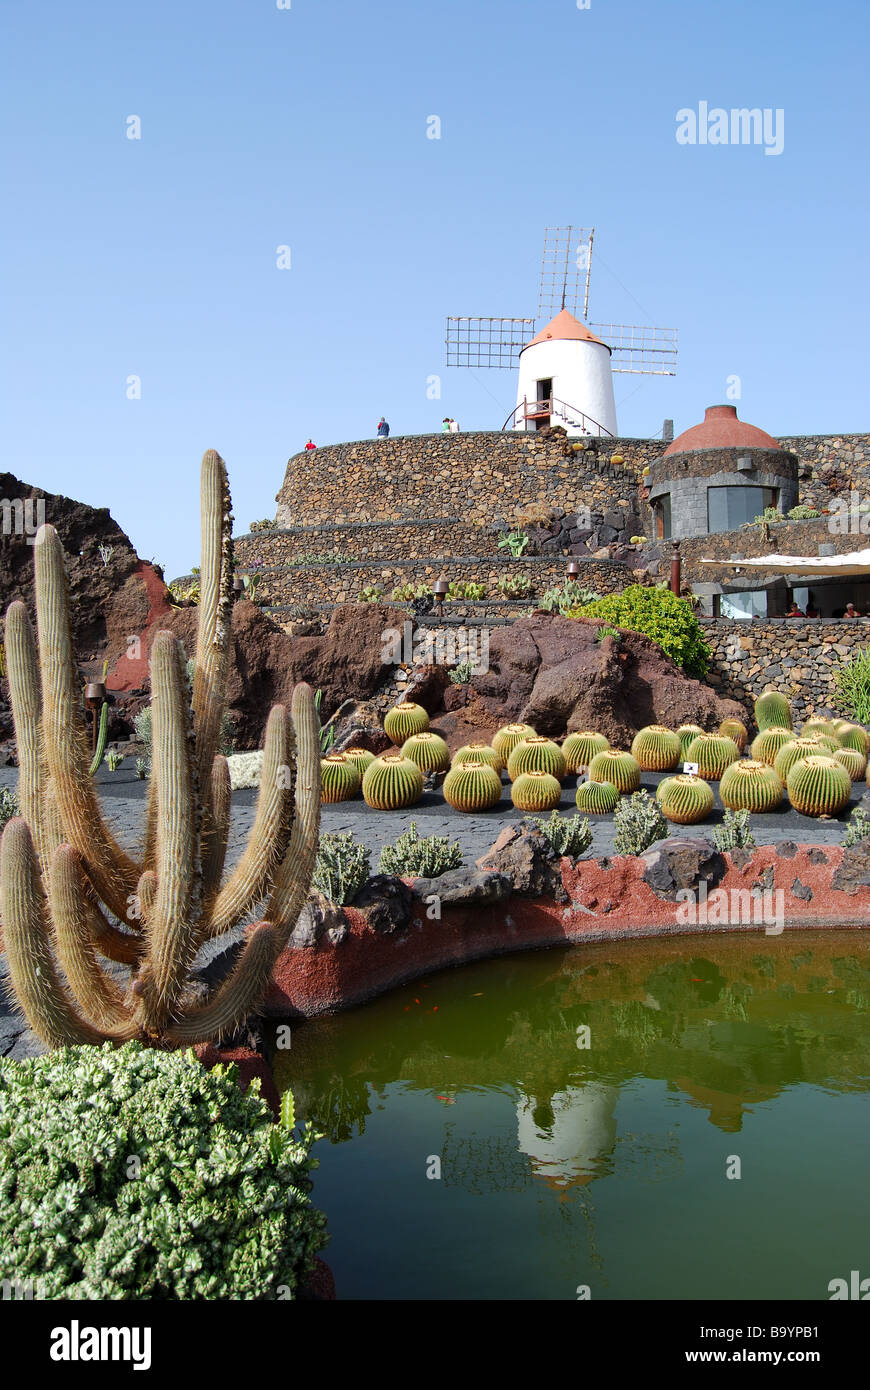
pixel 543 1079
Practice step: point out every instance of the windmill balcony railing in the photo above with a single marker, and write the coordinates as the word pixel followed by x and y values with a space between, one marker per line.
pixel 550 408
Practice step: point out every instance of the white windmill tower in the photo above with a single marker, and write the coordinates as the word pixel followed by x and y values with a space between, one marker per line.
pixel 566 369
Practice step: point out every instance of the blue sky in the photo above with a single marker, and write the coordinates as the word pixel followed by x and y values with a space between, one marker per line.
pixel 306 127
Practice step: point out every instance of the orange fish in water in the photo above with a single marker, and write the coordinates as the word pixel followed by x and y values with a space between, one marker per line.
pixel 448 1100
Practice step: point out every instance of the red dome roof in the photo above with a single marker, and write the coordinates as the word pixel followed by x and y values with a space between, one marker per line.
pixel 720 429
pixel 565 328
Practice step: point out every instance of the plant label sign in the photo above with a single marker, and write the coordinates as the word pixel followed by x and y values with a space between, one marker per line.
pixel 691 769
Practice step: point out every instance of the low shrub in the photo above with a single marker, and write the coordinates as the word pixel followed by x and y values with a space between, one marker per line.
pixel 735 832
pixel 134 1173
pixel 802 512
pixel 9 806
pixel 659 615
pixel 413 856
pixel 768 515
pixel 568 836
pixel 514 586
pixel 462 674
pixel 571 595
pixel 857 828
pixel 268 523
pixel 466 589
pixel 406 593
pixel 638 823
pixel 342 867
pixel 613 632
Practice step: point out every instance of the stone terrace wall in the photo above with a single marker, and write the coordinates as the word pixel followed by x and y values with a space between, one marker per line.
pixel 830 463
pixel 315 585
pixel 786 538
pixel 798 655
pixel 484 475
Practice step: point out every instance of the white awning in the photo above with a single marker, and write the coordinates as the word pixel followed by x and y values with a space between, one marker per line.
pixel 857 562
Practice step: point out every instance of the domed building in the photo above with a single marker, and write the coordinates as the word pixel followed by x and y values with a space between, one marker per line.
pixel 718 475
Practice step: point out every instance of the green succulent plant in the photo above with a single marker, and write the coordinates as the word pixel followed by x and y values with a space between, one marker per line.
pixel 660 615
pixel 656 748
pixel 478 753
pixel 772 709
pixel 767 744
pixel 505 740
pixel 428 751
pixel 853 736
pixel 797 748
pixel 416 856
pixel 596 798
pixel 638 824
pixel 405 719
pixel 734 832
pixel 854 762
pixel 618 767
pixel 340 777
pixel 536 791
pixel 751 785
pixel 568 836
pixel 580 748
pixel 685 799
pixel 819 786
pixel 472 785
pixel 686 733
pixel 392 782
pixel 341 868
pixel 712 753
pixel 736 729
pixel 536 754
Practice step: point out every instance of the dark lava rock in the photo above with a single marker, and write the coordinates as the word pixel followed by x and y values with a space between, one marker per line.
pixel 385 902
pixel 817 856
pixel 764 883
pixel 741 856
pixel 549 671
pixel 319 918
pixel 361 728
pixel 675 864
pixel 426 686
pixel 802 891
pixel 526 858
pixel 787 849
pixel 854 870
pixel 465 886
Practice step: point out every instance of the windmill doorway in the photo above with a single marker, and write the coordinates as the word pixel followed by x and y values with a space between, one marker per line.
pixel 543 402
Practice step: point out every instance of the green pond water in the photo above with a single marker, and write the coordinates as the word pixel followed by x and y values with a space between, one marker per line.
pixel 564 1165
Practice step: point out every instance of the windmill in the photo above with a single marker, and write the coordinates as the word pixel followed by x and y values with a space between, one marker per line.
pixel 566 366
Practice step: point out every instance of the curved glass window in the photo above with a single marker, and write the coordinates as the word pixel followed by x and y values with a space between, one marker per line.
pixel 729 507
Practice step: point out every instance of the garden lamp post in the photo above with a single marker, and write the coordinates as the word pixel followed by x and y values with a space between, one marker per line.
pixel 95 694
pixel 675 568
pixel 573 570
pixel 439 589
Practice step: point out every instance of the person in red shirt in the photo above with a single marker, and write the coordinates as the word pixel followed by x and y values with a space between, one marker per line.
pixel 311 444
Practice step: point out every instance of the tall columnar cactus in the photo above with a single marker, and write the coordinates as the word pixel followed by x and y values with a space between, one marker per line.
pixel 767 744
pixel 405 719
pixel 772 708
pixel 656 748
pixel 685 799
pixel 63 876
pixel 536 754
pixel 736 729
pixel 618 767
pixel 750 785
pixel 819 787
pixel 580 748
pixel 472 786
pixel 712 753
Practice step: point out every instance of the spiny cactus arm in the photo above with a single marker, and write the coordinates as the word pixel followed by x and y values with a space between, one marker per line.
pixel 216 833
pixel 124 947
pixel 109 867
pixel 170 928
pixel 239 994
pixel 215 605
pixel 38 990
pixel 26 696
pixel 293 879
pixel 268 839
pixel 149 856
pixel 102 740
pixel 99 997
